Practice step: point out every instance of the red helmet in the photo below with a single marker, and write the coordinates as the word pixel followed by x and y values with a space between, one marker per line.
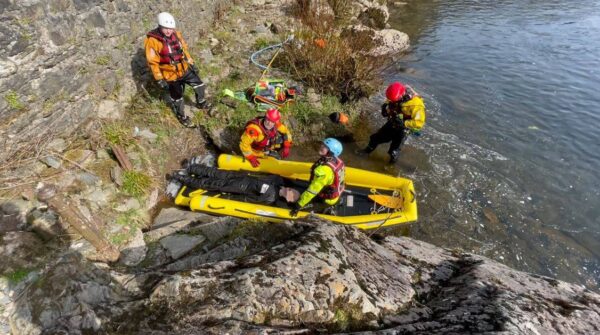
pixel 395 92
pixel 273 115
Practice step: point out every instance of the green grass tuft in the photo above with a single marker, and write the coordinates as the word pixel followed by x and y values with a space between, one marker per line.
pixel 103 60
pixel 12 98
pixel 117 133
pixel 17 276
pixel 262 42
pixel 136 184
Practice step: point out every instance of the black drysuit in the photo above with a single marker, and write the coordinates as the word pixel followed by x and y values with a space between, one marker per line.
pixel 259 189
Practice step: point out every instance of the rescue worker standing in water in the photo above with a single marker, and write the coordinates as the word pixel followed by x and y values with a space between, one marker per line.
pixel 172 66
pixel 405 111
pixel 326 179
pixel 265 136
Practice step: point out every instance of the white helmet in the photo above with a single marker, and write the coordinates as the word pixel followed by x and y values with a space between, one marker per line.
pixel 166 20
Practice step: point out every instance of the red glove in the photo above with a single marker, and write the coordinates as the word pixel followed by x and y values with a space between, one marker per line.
pixel 285 152
pixel 253 160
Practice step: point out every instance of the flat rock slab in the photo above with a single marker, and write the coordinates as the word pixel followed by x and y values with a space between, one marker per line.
pixel 179 245
pixel 172 220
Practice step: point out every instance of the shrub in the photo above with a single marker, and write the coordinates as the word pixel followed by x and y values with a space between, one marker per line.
pixel 334 64
pixel 324 57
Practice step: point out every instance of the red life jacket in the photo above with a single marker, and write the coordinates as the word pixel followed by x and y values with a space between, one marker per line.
pixel 172 51
pixel 339 185
pixel 269 135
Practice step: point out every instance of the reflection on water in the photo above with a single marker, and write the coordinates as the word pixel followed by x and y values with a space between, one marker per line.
pixel 507 164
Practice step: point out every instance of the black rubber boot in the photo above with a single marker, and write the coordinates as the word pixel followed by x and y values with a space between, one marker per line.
pixel 367 150
pixel 200 96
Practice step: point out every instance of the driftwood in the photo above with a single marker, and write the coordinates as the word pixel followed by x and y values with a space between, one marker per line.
pixel 122 158
pixel 71 214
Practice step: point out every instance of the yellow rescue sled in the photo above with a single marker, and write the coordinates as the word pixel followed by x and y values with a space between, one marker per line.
pixel 371 199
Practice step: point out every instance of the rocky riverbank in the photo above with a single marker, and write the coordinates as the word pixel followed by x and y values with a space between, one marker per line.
pixel 76 86
pixel 206 275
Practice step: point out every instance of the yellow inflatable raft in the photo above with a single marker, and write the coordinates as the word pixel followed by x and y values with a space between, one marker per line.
pixel 371 199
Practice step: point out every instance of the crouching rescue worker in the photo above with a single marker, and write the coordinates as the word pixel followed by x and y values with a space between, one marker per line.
pixel 326 180
pixel 405 112
pixel 265 136
pixel 172 66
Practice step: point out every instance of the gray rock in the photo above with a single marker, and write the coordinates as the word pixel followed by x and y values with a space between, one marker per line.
pixel 102 154
pixel 145 134
pixel 172 220
pixel 135 251
pixel 116 174
pixel 98 197
pixel 433 290
pixel 205 56
pixel 109 110
pixel 306 276
pixel 57 145
pixel 260 29
pixel 313 98
pixel 128 205
pixel 390 41
pixel 152 199
pixel 89 179
pixel 179 245
pixel 52 161
pixel 67 179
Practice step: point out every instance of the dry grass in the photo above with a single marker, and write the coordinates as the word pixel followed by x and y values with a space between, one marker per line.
pixel 220 9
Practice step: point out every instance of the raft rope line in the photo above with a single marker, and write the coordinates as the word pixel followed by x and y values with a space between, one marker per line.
pixel 381 208
pixel 268 66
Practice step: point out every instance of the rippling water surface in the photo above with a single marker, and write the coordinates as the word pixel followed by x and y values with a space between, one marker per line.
pixel 508 164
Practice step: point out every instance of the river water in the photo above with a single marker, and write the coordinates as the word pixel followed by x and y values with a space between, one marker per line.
pixel 507 164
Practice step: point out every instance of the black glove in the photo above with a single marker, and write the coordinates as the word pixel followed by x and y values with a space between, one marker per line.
pixel 195 68
pixel 163 84
pixel 384 110
pixel 294 209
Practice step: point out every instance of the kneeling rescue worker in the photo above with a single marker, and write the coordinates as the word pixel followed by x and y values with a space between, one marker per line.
pixel 265 136
pixel 326 178
pixel 172 66
pixel 405 111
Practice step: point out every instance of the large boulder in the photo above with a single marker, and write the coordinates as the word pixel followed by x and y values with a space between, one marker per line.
pixel 390 42
pixel 386 42
pixel 374 16
pixel 305 276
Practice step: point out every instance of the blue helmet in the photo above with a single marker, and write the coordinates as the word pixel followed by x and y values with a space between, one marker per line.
pixel 334 146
